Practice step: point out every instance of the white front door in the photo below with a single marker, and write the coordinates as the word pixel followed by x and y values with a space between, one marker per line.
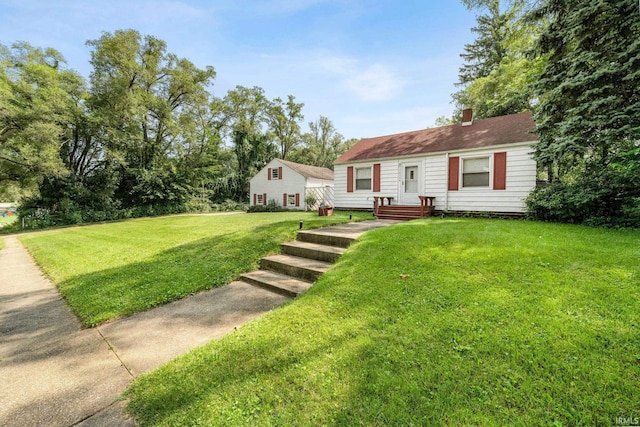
pixel 410 184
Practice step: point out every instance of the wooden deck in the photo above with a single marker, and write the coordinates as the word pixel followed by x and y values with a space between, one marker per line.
pixel 403 212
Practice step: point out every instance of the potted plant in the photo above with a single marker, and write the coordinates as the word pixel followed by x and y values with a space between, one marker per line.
pixel 325 210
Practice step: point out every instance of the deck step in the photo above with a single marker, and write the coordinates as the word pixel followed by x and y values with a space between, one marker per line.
pixel 276 282
pixel 400 212
pixel 312 250
pixel 300 268
pixel 399 207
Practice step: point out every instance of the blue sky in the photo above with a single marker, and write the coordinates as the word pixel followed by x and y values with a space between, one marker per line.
pixel 374 67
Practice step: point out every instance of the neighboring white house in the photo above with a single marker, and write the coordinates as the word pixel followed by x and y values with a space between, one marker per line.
pixel 480 166
pixel 290 184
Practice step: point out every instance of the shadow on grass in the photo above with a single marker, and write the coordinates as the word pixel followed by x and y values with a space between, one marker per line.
pixel 177 272
pixel 172 274
pixel 488 329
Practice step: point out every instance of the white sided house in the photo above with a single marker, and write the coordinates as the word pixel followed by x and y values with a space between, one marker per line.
pixel 477 166
pixel 291 185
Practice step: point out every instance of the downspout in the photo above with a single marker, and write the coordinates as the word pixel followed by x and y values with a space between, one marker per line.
pixel 446 185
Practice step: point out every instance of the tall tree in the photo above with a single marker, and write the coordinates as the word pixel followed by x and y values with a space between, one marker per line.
pixel 242 109
pixel 588 116
pixel 142 97
pixel 588 91
pixel 284 123
pixel 38 100
pixel 498 71
pixel 322 144
pixel 485 53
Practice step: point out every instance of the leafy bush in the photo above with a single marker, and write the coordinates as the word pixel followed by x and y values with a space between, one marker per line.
pixel 310 201
pixel 598 201
pixel 271 206
pixel 198 204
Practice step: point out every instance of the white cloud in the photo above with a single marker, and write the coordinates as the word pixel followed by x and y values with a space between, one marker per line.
pixel 375 83
pixel 390 121
pixel 337 64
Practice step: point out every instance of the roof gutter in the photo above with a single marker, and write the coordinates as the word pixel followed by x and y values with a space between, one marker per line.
pixel 438 153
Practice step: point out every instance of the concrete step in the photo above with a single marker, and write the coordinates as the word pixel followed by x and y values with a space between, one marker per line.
pixel 312 250
pixel 300 268
pixel 276 282
pixel 328 238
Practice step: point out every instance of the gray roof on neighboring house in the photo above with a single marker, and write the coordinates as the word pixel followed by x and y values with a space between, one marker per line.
pixel 309 171
pixel 482 133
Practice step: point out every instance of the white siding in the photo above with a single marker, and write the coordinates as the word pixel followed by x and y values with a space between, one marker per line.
pixel 436 174
pixel 291 183
pixel 520 180
pixel 363 199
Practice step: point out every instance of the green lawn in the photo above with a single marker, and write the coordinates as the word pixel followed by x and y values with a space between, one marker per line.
pixel 496 323
pixel 111 270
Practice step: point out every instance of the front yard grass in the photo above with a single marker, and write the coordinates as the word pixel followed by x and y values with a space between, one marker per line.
pixel 495 323
pixel 112 270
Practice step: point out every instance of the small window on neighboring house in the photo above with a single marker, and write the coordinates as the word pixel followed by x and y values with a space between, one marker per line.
pixel 259 199
pixel 274 173
pixel 475 172
pixel 291 199
pixel 363 178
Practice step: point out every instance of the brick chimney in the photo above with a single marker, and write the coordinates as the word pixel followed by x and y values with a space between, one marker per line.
pixel 467 117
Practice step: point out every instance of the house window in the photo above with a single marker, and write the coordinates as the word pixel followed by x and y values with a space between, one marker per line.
pixel 475 172
pixel 291 199
pixel 363 178
pixel 259 199
pixel 274 173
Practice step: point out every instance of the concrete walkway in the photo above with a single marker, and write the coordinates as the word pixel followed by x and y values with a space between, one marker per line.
pixel 53 373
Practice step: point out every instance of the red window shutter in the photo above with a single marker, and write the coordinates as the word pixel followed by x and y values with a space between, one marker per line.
pixel 254 199
pixel 376 177
pixel 284 199
pixel 350 179
pixel 297 199
pixel 454 172
pixel 500 171
pixel 280 172
pixel 264 199
pixel 269 173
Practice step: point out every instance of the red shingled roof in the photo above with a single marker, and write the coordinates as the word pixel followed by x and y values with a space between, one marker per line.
pixel 482 133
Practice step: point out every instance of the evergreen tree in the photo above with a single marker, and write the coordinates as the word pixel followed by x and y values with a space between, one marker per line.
pixel 588 116
pixel 485 53
pixel 588 92
pixel 498 72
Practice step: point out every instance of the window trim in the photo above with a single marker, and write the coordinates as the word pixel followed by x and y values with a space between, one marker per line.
pixel 489 185
pixel 355 178
pixel 259 199
pixel 291 202
pixel 275 174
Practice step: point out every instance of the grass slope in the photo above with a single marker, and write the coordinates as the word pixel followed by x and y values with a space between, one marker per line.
pixel 112 270
pixel 497 323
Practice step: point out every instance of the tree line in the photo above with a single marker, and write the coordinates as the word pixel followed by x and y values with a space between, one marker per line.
pixel 143 135
pixel 576 65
